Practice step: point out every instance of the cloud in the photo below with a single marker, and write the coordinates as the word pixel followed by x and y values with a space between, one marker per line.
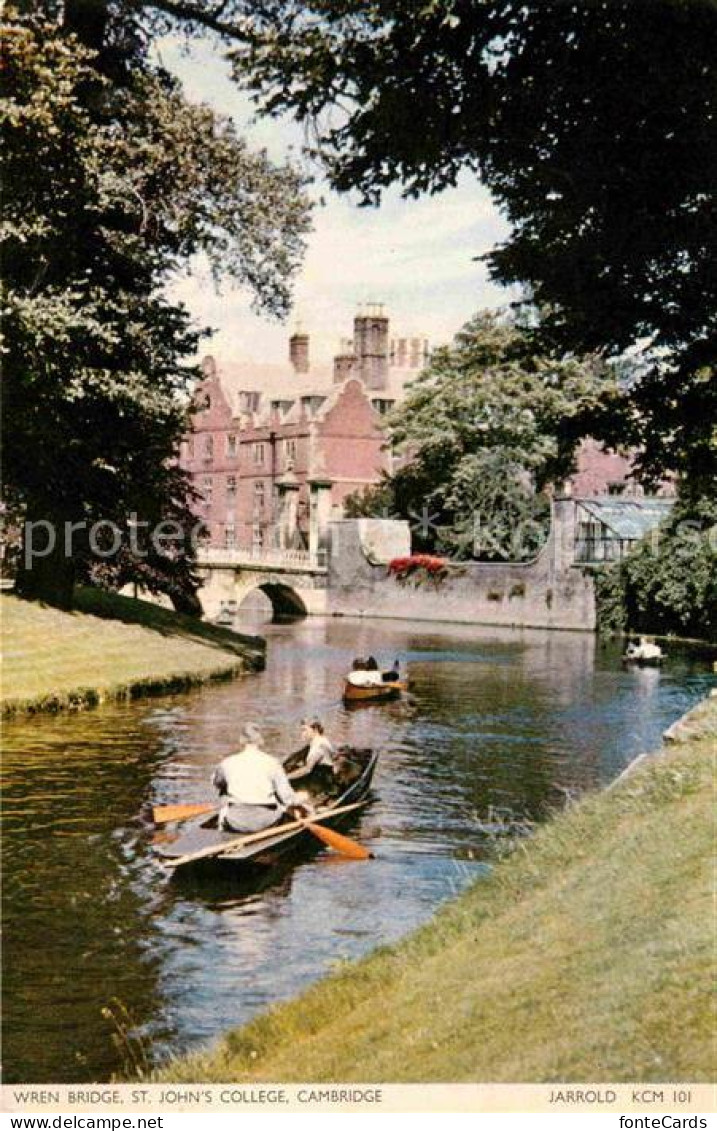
pixel 418 257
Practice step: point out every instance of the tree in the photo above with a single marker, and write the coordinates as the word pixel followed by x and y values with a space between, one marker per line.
pixel 112 181
pixel 484 430
pixel 668 586
pixel 593 125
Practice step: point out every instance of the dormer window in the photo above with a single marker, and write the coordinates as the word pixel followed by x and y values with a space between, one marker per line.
pixel 232 447
pixel 311 405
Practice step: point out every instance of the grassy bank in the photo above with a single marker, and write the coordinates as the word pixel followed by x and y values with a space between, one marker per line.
pixel 109 647
pixel 587 955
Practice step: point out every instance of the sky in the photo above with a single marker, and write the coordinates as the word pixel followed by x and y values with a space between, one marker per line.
pixel 417 257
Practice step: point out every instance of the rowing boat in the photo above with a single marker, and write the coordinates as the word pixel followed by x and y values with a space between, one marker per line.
pixel 373 686
pixel 644 652
pixel 200 844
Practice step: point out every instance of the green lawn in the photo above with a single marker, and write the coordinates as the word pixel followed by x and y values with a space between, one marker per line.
pixel 109 647
pixel 587 955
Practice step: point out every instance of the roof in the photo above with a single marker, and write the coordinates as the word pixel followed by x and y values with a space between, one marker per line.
pixel 280 381
pixel 629 519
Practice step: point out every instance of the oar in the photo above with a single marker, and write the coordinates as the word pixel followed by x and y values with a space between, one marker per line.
pixel 357 851
pixel 161 814
pixel 339 842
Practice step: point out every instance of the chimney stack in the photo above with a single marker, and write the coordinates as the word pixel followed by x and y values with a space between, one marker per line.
pixel 344 361
pixel 371 346
pixel 299 352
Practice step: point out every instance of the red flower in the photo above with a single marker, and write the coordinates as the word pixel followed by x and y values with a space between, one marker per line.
pixel 401 567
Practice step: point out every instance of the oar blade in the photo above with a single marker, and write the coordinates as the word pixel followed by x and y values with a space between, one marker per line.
pixel 162 814
pixel 339 843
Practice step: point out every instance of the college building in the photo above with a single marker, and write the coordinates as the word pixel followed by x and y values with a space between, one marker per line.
pixel 275 450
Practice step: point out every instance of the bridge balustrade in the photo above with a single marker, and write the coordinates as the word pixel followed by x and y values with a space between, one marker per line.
pixel 263 558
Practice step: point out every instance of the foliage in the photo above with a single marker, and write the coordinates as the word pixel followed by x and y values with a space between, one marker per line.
pixel 670 589
pixel 484 430
pixel 375 501
pixel 610 600
pixel 157 567
pixel 589 123
pixel 112 180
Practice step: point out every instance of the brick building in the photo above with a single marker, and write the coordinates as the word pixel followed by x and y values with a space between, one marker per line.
pixel 275 448
pixel 272 446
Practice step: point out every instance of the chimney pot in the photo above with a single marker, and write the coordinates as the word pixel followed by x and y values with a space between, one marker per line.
pixel 299 352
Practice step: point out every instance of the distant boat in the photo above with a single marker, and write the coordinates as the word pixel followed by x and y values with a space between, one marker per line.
pixel 373 686
pixel 643 652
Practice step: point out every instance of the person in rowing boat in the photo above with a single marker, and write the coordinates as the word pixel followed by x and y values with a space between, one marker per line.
pixel 320 757
pixel 254 787
pixel 394 675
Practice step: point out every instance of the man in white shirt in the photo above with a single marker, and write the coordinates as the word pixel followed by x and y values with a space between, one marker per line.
pixel 254 786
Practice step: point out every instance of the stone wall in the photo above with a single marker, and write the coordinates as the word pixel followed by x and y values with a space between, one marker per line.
pixel 547 593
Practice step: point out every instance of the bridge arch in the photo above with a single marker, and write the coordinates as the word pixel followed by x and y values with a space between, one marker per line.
pixel 286 603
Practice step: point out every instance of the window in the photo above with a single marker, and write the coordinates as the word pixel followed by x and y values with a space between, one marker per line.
pixel 382 405
pixel 231 487
pixel 208 449
pixel 259 496
pixel 311 405
pixel 232 447
pixel 207 489
pixel 259 453
pixel 257 536
pixel 616 488
pixel 290 451
pixel 230 537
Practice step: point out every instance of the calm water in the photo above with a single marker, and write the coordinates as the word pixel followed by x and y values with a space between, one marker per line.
pixel 501 721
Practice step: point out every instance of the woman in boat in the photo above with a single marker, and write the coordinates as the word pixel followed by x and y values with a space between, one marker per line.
pixel 254 787
pixel 321 755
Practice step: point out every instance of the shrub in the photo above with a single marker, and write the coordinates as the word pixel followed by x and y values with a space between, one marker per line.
pixel 673 590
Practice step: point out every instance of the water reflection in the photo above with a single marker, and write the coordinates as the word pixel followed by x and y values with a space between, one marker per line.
pixel 498 721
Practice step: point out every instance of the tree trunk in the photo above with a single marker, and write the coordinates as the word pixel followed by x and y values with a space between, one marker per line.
pixel 44 572
pixel 187 603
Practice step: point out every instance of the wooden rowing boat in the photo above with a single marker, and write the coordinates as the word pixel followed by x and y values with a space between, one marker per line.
pixel 195 846
pixel 378 692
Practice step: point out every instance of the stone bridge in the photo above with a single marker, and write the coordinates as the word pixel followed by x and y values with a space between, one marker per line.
pixel 295 581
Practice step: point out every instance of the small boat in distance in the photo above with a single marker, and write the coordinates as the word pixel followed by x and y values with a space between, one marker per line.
pixel 201 836
pixel 643 652
pixel 373 686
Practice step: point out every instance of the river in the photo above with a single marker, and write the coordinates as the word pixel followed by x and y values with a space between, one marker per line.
pixel 109 964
